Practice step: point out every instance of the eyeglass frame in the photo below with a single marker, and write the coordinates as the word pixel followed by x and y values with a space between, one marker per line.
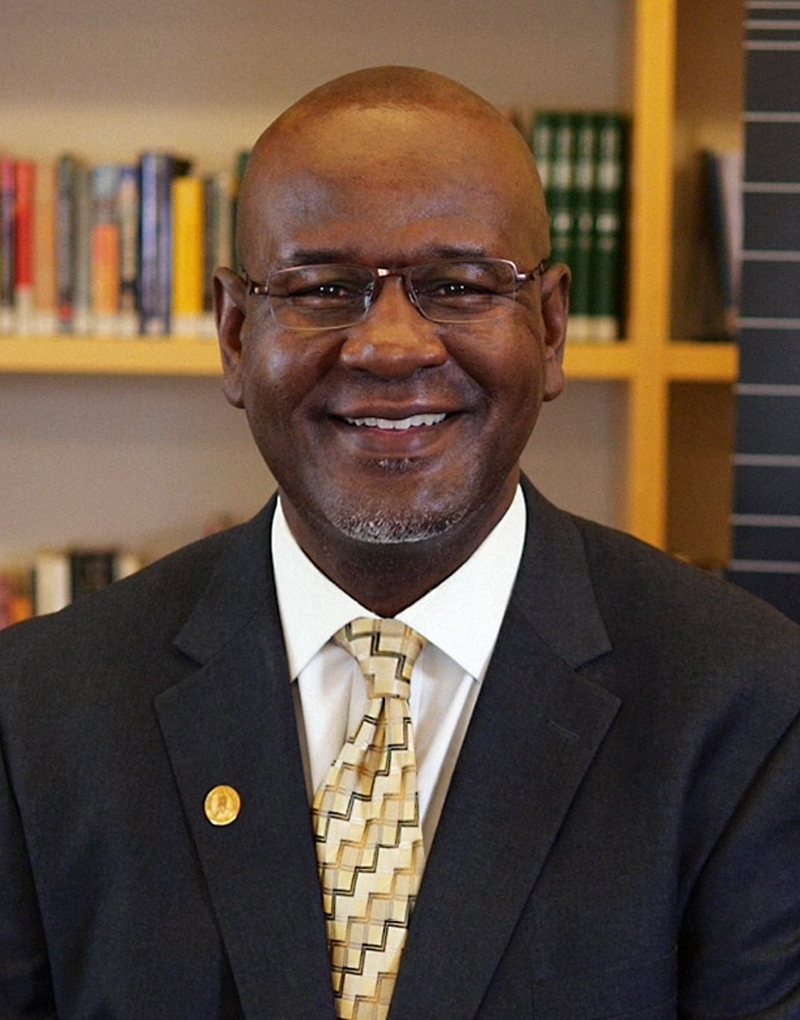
pixel 381 273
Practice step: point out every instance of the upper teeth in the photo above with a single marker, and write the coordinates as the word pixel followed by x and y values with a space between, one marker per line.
pixel 398 423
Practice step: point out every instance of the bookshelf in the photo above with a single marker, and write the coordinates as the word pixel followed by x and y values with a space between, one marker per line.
pixel 671 394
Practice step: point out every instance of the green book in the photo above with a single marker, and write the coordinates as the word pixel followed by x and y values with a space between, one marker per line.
pixel 542 146
pixel 560 194
pixel 606 277
pixel 582 224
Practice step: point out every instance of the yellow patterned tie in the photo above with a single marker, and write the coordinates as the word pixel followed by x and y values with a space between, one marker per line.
pixel 366 826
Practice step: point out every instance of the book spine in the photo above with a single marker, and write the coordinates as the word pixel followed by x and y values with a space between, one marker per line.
pixel 149 171
pixel 210 229
pixel 83 320
pixel 242 159
pixel 105 250
pixel 187 275
pixel 8 222
pixel 23 247
pixel 606 294
pixel 44 280
pixel 164 244
pixel 52 582
pixel 128 220
pixel 723 174
pixel 560 193
pixel 65 241
pixel 90 571
pixel 542 146
pixel 582 226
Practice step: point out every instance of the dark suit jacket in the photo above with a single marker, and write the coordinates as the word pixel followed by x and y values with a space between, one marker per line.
pixel 621 836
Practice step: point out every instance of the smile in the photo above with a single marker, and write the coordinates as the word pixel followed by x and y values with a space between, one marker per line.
pixel 398 424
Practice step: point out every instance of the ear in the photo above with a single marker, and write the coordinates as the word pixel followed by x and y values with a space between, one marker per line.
pixel 229 308
pixel 555 311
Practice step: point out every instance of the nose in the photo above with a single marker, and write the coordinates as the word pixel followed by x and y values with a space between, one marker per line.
pixel 394 340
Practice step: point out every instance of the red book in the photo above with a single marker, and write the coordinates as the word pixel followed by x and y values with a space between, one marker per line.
pixel 24 244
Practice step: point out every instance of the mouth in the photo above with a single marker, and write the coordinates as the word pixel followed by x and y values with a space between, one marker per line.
pixel 413 421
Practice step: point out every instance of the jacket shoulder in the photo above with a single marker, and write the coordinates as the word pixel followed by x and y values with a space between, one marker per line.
pixel 661 602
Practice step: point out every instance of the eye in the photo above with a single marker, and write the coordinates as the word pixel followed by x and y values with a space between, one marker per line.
pixel 321 286
pixel 325 292
pixel 455 290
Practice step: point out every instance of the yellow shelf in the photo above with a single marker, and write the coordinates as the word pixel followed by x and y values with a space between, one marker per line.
pixel 108 356
pixel 584 360
pixel 699 361
pixel 65 355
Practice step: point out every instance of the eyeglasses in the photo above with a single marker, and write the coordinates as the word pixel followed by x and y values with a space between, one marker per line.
pixel 331 296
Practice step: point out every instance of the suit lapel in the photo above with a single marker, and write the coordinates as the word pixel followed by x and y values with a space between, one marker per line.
pixel 535 730
pixel 232 722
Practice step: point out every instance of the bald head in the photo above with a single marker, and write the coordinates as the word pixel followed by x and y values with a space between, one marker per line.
pixel 417 121
pixel 391 86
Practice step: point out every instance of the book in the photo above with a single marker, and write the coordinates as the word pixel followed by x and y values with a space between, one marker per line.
pixel 560 194
pixel 187 267
pixel 15 600
pixel 542 147
pixel 605 302
pixel 25 177
pixel 8 223
pixel 105 253
pixel 44 274
pixel 218 247
pixel 723 173
pixel 51 582
pixel 82 317
pixel 66 240
pixel 128 221
pixel 581 242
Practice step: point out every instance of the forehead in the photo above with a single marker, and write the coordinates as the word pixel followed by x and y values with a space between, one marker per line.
pixel 390 182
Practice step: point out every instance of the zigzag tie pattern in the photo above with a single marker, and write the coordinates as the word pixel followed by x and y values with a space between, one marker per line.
pixel 366 826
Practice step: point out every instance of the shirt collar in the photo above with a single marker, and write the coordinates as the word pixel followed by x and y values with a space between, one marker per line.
pixel 461 616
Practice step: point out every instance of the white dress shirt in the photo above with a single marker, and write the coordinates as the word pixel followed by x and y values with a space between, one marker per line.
pixel 460 619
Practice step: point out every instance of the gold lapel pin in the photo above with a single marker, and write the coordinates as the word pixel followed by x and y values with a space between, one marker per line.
pixel 222 805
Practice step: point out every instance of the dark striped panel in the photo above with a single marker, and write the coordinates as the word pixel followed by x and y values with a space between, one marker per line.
pixel 770 221
pixel 763 543
pixel 781 590
pixel 768 424
pixel 771 289
pixel 772 150
pixel 767 490
pixel 770 356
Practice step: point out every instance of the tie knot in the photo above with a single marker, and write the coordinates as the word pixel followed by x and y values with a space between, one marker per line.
pixel 386 651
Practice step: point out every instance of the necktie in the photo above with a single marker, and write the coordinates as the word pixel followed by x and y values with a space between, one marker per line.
pixel 367 828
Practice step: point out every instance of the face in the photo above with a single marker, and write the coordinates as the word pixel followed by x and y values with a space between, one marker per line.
pixel 395 430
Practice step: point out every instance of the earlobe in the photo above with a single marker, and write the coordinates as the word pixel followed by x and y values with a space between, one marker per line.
pixel 555 312
pixel 229 309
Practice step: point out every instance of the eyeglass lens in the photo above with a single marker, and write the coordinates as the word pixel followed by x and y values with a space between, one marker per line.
pixel 309 297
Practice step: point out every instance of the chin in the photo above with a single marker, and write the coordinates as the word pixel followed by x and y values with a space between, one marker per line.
pixel 386 527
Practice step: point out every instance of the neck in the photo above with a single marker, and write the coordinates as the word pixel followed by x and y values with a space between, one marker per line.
pixel 386 578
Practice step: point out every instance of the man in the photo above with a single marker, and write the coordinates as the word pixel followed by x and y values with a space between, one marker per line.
pixel 605 763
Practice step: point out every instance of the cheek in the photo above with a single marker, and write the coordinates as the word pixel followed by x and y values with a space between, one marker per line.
pixel 277 374
pixel 509 369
